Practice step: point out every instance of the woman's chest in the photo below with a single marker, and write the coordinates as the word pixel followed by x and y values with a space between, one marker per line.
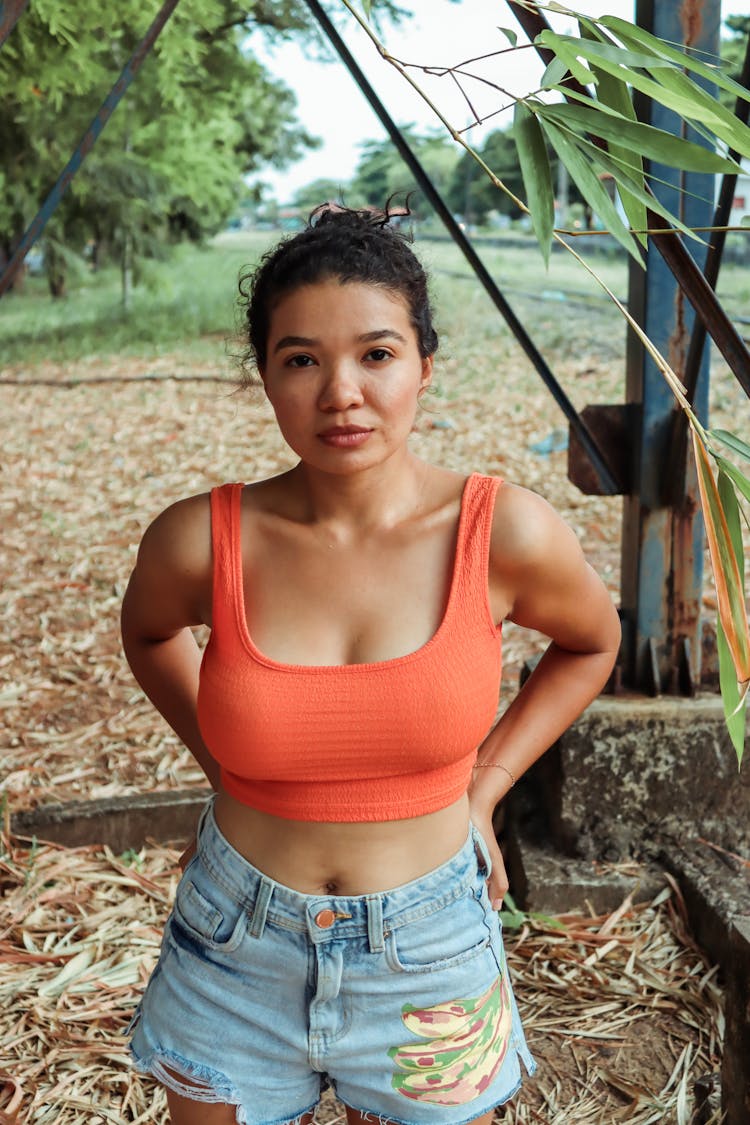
pixel 309 601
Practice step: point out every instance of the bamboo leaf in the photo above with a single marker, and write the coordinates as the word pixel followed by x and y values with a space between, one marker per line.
pixel 537 175
pixel 589 184
pixel 733 701
pixel 741 482
pixel 732 512
pixel 732 695
pixel 367 7
pixel 727 575
pixel 635 37
pixel 628 182
pixel 733 442
pixel 566 50
pixel 509 34
pixel 731 130
pixel 684 106
pixel 594 50
pixel 654 144
pixel 554 74
pixel 613 93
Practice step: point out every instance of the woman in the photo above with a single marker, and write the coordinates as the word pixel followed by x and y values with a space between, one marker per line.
pixel 337 922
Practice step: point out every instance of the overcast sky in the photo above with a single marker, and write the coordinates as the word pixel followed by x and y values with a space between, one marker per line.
pixel 439 34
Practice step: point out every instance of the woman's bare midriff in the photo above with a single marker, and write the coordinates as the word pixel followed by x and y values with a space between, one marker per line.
pixel 343 859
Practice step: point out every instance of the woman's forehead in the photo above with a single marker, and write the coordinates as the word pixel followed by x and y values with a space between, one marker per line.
pixel 335 304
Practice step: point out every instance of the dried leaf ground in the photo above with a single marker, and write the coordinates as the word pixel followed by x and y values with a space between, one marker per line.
pixel 621 1011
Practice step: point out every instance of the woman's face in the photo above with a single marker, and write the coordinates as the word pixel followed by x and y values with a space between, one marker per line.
pixel 343 373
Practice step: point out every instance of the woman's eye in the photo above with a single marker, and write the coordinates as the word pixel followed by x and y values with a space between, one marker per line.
pixel 299 361
pixel 379 354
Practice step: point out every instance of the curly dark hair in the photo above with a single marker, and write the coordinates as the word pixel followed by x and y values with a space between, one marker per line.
pixel 341 244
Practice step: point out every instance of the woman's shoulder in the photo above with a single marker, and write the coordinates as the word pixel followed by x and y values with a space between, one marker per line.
pixel 181 534
pixel 527 531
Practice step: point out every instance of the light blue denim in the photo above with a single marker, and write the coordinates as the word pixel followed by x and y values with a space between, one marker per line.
pixel 401 1001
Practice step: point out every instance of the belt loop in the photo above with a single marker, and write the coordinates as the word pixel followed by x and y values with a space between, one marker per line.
pixel 205 811
pixel 375 923
pixel 482 852
pixel 260 908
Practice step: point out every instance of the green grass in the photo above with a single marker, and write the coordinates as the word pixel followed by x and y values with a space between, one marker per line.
pixel 175 304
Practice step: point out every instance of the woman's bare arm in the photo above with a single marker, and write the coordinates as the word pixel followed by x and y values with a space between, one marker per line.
pixel 170 591
pixel 537 566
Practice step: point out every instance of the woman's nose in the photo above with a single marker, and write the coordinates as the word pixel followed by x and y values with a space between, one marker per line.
pixel 342 388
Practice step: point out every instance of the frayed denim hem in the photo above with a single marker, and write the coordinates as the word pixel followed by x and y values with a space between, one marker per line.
pixel 389 1119
pixel 204 1085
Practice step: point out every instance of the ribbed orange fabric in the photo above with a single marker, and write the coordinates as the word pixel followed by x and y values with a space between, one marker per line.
pixel 353 742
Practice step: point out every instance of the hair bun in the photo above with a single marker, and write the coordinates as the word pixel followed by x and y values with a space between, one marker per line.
pixel 332 212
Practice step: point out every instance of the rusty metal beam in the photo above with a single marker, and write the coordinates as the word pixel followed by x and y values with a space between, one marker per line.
pixel 662 542
pixel 9 14
pixel 607 482
pixel 669 245
pixel 87 142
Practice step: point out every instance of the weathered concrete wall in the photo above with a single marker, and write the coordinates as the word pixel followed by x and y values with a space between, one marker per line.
pixel 631 767
pixel 716 888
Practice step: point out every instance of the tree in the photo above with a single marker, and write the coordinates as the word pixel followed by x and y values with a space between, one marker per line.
pixel 472 194
pixel 733 49
pixel 319 191
pixel 199 115
pixel 381 172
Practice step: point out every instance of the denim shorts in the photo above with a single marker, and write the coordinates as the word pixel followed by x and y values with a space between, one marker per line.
pixel 401 1000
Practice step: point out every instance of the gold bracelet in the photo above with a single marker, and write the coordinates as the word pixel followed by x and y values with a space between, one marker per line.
pixel 497 766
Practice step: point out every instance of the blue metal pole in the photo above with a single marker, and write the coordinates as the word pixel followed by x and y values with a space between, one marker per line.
pixel 9 13
pixel 662 546
pixel 87 142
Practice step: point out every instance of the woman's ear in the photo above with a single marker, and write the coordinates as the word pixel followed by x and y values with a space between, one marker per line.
pixel 426 379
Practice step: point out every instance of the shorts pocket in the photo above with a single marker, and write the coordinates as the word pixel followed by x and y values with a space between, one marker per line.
pixel 449 936
pixel 206 912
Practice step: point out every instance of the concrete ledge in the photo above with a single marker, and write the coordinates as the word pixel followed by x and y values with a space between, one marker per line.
pixel 631 767
pixel 716 889
pixel 549 883
pixel 119 822
pixel 735 1067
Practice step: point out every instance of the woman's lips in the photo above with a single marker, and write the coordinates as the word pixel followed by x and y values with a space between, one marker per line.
pixel 345 437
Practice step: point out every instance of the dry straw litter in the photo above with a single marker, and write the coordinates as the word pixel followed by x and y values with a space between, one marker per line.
pixel 606 999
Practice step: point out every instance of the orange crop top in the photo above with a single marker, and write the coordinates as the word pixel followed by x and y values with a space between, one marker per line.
pixel 353 742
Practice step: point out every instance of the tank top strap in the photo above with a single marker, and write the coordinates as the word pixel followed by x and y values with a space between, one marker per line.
pixel 226 548
pixel 473 544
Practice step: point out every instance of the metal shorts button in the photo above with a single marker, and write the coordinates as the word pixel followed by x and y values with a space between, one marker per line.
pixel 325 918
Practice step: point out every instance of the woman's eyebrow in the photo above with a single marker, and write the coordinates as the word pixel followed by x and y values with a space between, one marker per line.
pixel 365 338
pixel 295 342
pixel 381 333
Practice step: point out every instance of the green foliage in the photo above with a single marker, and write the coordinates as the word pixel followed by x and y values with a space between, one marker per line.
pixel 319 191
pixel 537 175
pixel 199 115
pixel 381 172
pixel 733 49
pixel 613 58
pixel 188 295
pixel 513 918
pixel 733 696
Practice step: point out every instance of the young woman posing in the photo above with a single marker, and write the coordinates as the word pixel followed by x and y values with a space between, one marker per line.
pixel 337 921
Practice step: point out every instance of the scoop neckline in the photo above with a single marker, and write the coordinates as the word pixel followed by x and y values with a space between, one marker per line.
pixel 392 662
